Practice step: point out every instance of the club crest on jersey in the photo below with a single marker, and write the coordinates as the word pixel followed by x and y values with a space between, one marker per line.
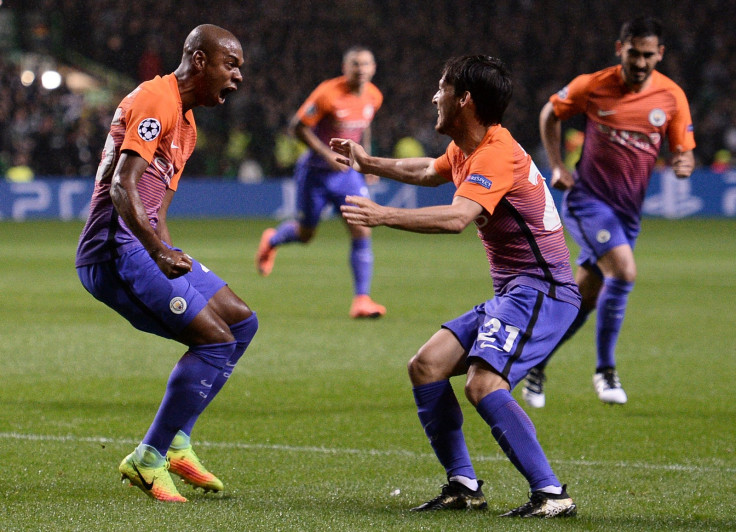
pixel 479 180
pixel 149 128
pixel 657 117
pixel 178 305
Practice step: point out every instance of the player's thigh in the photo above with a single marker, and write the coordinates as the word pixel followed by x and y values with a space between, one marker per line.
pixel 440 358
pixel 229 306
pixel 135 287
pixel 348 183
pixel 520 329
pixel 619 263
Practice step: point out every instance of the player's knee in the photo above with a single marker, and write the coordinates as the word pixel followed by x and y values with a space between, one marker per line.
pixel 245 330
pixel 481 383
pixel 628 274
pixel 474 392
pixel 206 328
pixel 421 370
pixel 305 234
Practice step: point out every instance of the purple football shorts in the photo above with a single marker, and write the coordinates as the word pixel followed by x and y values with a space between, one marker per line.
pixel 135 287
pixel 316 187
pixel 513 332
pixel 595 226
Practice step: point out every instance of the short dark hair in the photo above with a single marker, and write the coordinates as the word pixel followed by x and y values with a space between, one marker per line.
pixel 488 81
pixel 642 27
pixel 357 48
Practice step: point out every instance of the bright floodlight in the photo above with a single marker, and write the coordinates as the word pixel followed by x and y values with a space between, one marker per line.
pixel 50 79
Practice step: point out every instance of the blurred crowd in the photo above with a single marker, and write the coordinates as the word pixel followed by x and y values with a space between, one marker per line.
pixel 292 45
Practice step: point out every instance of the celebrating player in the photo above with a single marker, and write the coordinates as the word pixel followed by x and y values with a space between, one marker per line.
pixel 341 107
pixel 630 108
pixel 126 258
pixel 496 343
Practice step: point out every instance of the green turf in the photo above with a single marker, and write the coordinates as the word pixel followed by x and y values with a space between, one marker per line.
pixel 317 427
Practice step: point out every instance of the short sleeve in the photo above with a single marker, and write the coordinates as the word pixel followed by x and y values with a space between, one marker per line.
pixel 571 99
pixel 315 107
pixel 443 167
pixel 489 177
pixel 147 120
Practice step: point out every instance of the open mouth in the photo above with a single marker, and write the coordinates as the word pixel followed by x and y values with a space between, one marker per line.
pixel 224 92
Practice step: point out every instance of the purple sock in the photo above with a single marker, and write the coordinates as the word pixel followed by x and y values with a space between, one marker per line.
pixel 243 333
pixel 611 309
pixel 361 262
pixel 515 433
pixel 442 419
pixel 285 233
pixel 189 384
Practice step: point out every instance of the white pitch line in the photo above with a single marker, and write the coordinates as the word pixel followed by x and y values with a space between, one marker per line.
pixel 365 452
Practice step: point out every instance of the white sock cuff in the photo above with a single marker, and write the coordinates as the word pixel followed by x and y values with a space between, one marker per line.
pixel 470 483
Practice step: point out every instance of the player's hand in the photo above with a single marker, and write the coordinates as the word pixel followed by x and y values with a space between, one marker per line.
pixel 361 211
pixel 683 164
pixel 172 262
pixel 336 165
pixel 561 178
pixel 349 153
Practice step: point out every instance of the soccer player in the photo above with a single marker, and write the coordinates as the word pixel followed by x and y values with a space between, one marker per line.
pixel 495 343
pixel 630 109
pixel 126 259
pixel 340 107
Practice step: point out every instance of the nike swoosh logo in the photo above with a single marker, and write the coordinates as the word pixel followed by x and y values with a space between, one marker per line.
pixel 147 485
pixel 205 383
pixel 174 146
pixel 606 113
pixel 483 345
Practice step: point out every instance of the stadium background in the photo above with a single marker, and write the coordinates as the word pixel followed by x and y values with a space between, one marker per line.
pixel 317 429
pixel 103 48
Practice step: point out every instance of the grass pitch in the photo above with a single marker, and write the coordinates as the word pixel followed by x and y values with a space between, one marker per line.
pixel 317 429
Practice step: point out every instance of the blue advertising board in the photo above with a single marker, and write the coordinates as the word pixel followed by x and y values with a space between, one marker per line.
pixel 705 194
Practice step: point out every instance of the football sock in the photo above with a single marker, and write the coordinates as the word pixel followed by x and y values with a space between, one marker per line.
pixel 515 433
pixel 285 233
pixel 554 490
pixel 180 441
pixel 188 385
pixel 578 322
pixel 611 308
pixel 243 332
pixel 361 262
pixel 442 419
pixel 470 483
pixel 148 456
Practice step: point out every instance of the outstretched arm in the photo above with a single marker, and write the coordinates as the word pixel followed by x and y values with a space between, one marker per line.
pixel 127 201
pixel 453 218
pixel 550 130
pixel 413 170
